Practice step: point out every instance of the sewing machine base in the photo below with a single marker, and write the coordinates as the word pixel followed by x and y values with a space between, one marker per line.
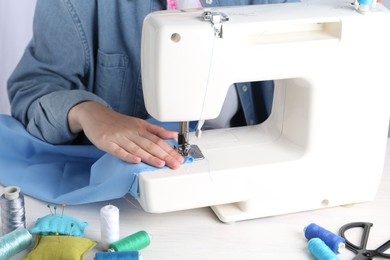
pixel 275 177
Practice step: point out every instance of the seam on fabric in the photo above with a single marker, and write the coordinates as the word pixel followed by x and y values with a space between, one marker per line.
pixel 79 28
pixel 124 78
pixel 139 81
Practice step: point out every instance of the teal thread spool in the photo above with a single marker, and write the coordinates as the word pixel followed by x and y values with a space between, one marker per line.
pixel 134 242
pixel 14 242
pixel 133 255
pixel 320 250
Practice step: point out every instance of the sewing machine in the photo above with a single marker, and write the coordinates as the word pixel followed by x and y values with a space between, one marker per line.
pixel 323 144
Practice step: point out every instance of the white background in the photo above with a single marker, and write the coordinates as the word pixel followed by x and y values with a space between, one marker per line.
pixel 15 32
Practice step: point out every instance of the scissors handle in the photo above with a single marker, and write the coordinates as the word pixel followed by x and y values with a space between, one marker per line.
pixel 363 242
pixel 361 250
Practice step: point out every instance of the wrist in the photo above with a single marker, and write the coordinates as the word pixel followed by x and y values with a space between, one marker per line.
pixel 75 115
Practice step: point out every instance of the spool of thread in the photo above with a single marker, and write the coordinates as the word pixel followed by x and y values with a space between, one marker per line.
pixel 14 242
pixel 134 242
pixel 109 225
pixel 12 209
pixel 333 241
pixel 320 250
pixel 133 255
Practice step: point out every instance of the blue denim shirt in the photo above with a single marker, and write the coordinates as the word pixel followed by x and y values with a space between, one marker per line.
pixel 90 50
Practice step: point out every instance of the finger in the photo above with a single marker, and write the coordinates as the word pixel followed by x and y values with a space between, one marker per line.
pixel 162 144
pixel 136 149
pixel 160 149
pixel 123 154
pixel 127 150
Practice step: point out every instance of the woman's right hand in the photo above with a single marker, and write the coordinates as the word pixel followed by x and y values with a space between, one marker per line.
pixel 128 138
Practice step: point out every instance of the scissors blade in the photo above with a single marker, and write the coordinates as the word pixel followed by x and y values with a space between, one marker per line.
pixel 365 255
pixel 360 257
pixel 382 249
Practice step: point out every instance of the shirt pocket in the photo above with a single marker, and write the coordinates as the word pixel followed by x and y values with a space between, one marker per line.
pixel 110 77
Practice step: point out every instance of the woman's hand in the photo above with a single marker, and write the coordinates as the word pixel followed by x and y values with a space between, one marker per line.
pixel 128 138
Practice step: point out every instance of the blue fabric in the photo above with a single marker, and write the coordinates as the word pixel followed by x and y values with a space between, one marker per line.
pixel 70 174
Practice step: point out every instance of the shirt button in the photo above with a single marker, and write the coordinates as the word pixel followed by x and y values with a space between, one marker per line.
pixel 244 88
pixel 209 2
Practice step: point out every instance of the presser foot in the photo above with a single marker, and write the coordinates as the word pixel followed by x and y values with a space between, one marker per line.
pixel 193 151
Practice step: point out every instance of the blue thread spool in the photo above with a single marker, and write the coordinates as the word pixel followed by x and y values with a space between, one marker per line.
pixel 365 2
pixel 333 241
pixel 320 250
pixel 133 255
pixel 14 242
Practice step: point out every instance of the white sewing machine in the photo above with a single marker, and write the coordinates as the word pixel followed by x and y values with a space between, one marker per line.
pixel 324 142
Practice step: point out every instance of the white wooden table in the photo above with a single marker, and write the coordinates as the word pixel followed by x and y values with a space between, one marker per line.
pixel 198 234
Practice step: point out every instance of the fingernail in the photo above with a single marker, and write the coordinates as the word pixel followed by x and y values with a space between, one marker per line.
pixel 175 164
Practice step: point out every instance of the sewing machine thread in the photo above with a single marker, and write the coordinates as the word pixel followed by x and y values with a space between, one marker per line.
pixel 320 250
pixel 132 255
pixel 134 242
pixel 109 225
pixel 12 209
pixel 14 242
pixel 333 241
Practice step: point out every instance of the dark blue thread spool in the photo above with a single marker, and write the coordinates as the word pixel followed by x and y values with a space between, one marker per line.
pixel 333 241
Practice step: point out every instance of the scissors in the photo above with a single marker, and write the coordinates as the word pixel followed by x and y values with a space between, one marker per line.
pixel 361 251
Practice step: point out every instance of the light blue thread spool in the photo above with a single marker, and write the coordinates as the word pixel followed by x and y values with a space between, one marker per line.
pixel 333 241
pixel 365 2
pixel 133 255
pixel 366 5
pixel 320 250
pixel 14 242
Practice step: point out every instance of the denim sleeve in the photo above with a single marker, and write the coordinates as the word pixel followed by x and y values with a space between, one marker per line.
pixel 54 72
